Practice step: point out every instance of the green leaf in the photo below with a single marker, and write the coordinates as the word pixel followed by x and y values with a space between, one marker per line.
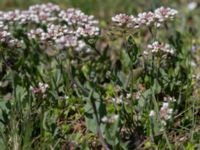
pixel 156 87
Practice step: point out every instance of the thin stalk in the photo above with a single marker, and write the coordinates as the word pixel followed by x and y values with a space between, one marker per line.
pixel 157 112
pixel 101 139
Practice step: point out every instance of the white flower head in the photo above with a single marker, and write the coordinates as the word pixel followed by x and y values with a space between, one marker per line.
pixel 113 118
pixel 124 20
pixel 118 100
pixel 165 105
pixel 62 28
pixel 165 111
pixel 192 5
pixel 152 113
pixel 146 18
pixel 163 14
pixel 156 47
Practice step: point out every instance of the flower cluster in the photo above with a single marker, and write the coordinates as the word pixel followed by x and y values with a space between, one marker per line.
pixel 118 100
pixel 152 113
pixel 165 113
pixel 110 119
pixel 76 17
pixel 6 37
pixel 40 89
pixel 54 33
pixel 196 77
pixel 62 28
pixel 124 20
pixel 138 95
pixel 192 5
pixel 157 47
pixel 159 16
pixel 35 14
pixel 164 14
pixel 145 19
pixel 2 26
pixel 169 99
pixel 62 36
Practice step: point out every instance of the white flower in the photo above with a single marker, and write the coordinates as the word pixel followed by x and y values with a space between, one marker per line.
pixel 72 33
pixel 7 38
pixel 146 18
pixel 31 88
pixel 67 41
pixel 169 98
pixel 192 5
pixel 164 14
pixel 75 16
pixel 158 17
pixel 124 20
pixel 114 117
pixel 66 97
pixel 43 87
pixel 138 95
pixel 104 119
pixel 156 47
pixel 165 105
pixel 110 119
pixel 128 95
pixel 152 113
pixel 165 111
pixel 3 26
pixel 163 122
pixel 146 52
pixel 118 100
pixel 87 31
pixel 170 111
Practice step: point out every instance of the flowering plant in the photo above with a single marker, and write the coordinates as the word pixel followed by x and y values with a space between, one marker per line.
pixel 68 81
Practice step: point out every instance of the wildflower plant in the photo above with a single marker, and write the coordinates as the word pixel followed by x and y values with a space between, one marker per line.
pixel 67 82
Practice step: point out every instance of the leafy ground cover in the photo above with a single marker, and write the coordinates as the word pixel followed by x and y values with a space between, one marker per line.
pixel 125 77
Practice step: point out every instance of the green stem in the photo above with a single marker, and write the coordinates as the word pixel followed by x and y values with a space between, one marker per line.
pixel 101 139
